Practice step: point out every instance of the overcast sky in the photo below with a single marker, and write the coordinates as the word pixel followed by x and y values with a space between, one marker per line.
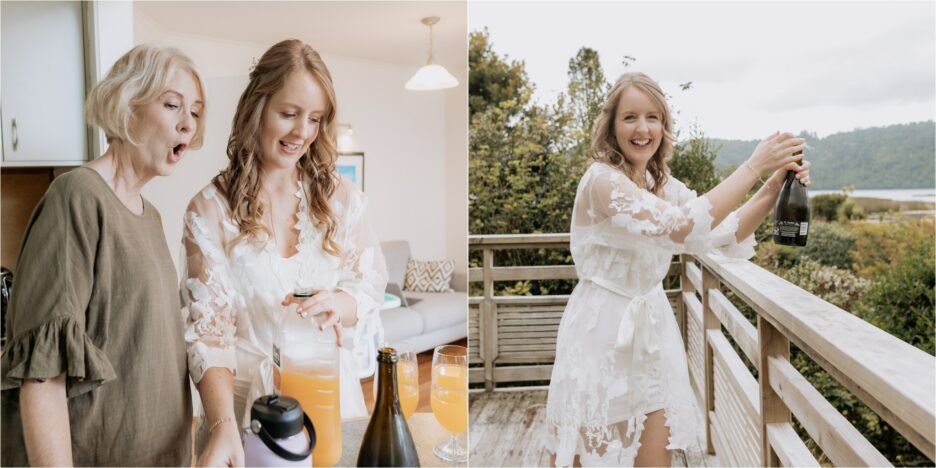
pixel 756 67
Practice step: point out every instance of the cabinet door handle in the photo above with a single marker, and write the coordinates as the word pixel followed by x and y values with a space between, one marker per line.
pixel 15 136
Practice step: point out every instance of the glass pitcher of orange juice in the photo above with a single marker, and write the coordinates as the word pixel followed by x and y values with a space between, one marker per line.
pixel 309 370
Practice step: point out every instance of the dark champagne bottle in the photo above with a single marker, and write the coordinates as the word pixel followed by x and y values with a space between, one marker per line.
pixel 791 215
pixel 387 440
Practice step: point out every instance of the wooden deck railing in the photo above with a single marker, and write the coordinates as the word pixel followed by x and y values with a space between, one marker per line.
pixel 512 340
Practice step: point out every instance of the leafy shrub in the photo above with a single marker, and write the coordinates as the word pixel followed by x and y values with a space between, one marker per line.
pixel 901 301
pixel 776 257
pixel 830 244
pixel 882 246
pixel 826 206
pixel 835 285
pixel 849 211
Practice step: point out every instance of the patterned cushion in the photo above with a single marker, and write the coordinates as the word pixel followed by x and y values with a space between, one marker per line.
pixel 429 275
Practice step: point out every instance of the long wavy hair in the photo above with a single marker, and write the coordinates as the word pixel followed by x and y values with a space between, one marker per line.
pixel 239 183
pixel 604 145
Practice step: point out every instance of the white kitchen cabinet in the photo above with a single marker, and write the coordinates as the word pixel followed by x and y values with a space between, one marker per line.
pixel 43 84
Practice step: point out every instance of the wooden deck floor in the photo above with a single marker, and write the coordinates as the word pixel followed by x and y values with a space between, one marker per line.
pixel 505 430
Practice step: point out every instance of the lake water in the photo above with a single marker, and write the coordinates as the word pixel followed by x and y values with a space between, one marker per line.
pixel 925 195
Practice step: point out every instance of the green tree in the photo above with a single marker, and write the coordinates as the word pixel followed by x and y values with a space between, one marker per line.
pixel 492 80
pixel 525 162
pixel 525 158
pixel 587 91
pixel 693 162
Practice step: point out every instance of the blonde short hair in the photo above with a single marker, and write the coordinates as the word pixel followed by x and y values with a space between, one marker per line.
pixel 140 75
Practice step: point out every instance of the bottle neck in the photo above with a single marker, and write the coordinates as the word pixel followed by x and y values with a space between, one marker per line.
pixel 387 386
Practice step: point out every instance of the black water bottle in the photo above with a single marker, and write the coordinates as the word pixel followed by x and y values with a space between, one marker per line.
pixel 387 440
pixel 791 215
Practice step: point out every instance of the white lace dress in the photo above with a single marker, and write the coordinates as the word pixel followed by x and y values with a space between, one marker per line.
pixel 231 296
pixel 619 353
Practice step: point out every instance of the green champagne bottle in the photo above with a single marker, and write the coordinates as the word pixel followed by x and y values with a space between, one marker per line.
pixel 791 214
pixel 387 440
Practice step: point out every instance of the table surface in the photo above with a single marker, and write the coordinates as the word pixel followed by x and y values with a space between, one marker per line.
pixel 426 430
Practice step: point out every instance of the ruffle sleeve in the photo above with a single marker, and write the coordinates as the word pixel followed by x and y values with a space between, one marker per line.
pixel 723 239
pixel 48 310
pixel 57 346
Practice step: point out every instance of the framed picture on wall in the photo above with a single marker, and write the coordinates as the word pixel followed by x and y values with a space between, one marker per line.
pixel 351 165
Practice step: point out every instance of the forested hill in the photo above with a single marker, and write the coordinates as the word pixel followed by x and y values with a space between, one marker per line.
pixel 894 157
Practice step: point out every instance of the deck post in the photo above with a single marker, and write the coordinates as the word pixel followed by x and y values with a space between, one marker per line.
pixel 684 286
pixel 709 322
pixel 488 323
pixel 772 408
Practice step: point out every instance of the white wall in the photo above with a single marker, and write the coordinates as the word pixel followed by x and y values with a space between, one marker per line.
pixel 414 143
pixel 456 175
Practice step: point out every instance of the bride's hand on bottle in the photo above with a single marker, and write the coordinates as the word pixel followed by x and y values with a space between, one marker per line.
pixel 327 308
pixel 775 153
pixel 224 447
pixel 802 174
pixel 801 170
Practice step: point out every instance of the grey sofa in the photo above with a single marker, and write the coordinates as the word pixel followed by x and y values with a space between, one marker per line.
pixel 435 319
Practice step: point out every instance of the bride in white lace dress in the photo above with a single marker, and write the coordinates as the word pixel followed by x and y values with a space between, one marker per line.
pixel 620 392
pixel 278 217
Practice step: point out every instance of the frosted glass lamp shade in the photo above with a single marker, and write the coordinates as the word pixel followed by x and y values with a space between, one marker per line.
pixel 431 77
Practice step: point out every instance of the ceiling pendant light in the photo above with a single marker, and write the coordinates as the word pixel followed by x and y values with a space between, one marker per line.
pixel 431 76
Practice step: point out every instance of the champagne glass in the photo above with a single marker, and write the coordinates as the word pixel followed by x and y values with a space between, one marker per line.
pixel 407 370
pixel 449 399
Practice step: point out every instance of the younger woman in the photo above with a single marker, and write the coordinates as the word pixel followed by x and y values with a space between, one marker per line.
pixel 620 392
pixel 279 216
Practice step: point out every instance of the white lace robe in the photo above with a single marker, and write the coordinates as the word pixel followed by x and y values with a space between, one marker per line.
pixel 230 300
pixel 619 353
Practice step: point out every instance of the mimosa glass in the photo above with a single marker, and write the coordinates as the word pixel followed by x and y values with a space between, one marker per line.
pixel 449 399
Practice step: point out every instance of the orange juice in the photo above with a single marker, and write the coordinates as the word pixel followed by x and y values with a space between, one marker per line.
pixel 450 397
pixel 318 396
pixel 407 387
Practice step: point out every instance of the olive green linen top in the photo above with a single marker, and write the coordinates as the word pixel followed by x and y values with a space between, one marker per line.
pixel 96 297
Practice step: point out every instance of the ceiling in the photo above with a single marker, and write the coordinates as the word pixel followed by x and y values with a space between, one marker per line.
pixel 372 30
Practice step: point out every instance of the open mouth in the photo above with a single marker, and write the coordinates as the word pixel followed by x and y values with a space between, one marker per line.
pixel 178 151
pixel 289 147
pixel 641 143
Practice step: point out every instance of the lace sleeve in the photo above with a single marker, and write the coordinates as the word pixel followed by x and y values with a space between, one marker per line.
pixel 364 271
pixel 723 238
pixel 639 219
pixel 209 300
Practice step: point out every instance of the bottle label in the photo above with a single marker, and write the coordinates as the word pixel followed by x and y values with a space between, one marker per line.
pixel 803 229
pixel 789 228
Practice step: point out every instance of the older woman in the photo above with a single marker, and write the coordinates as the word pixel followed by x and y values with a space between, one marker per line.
pixel 95 367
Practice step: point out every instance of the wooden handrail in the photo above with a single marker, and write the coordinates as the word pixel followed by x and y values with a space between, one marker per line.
pixel 895 379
